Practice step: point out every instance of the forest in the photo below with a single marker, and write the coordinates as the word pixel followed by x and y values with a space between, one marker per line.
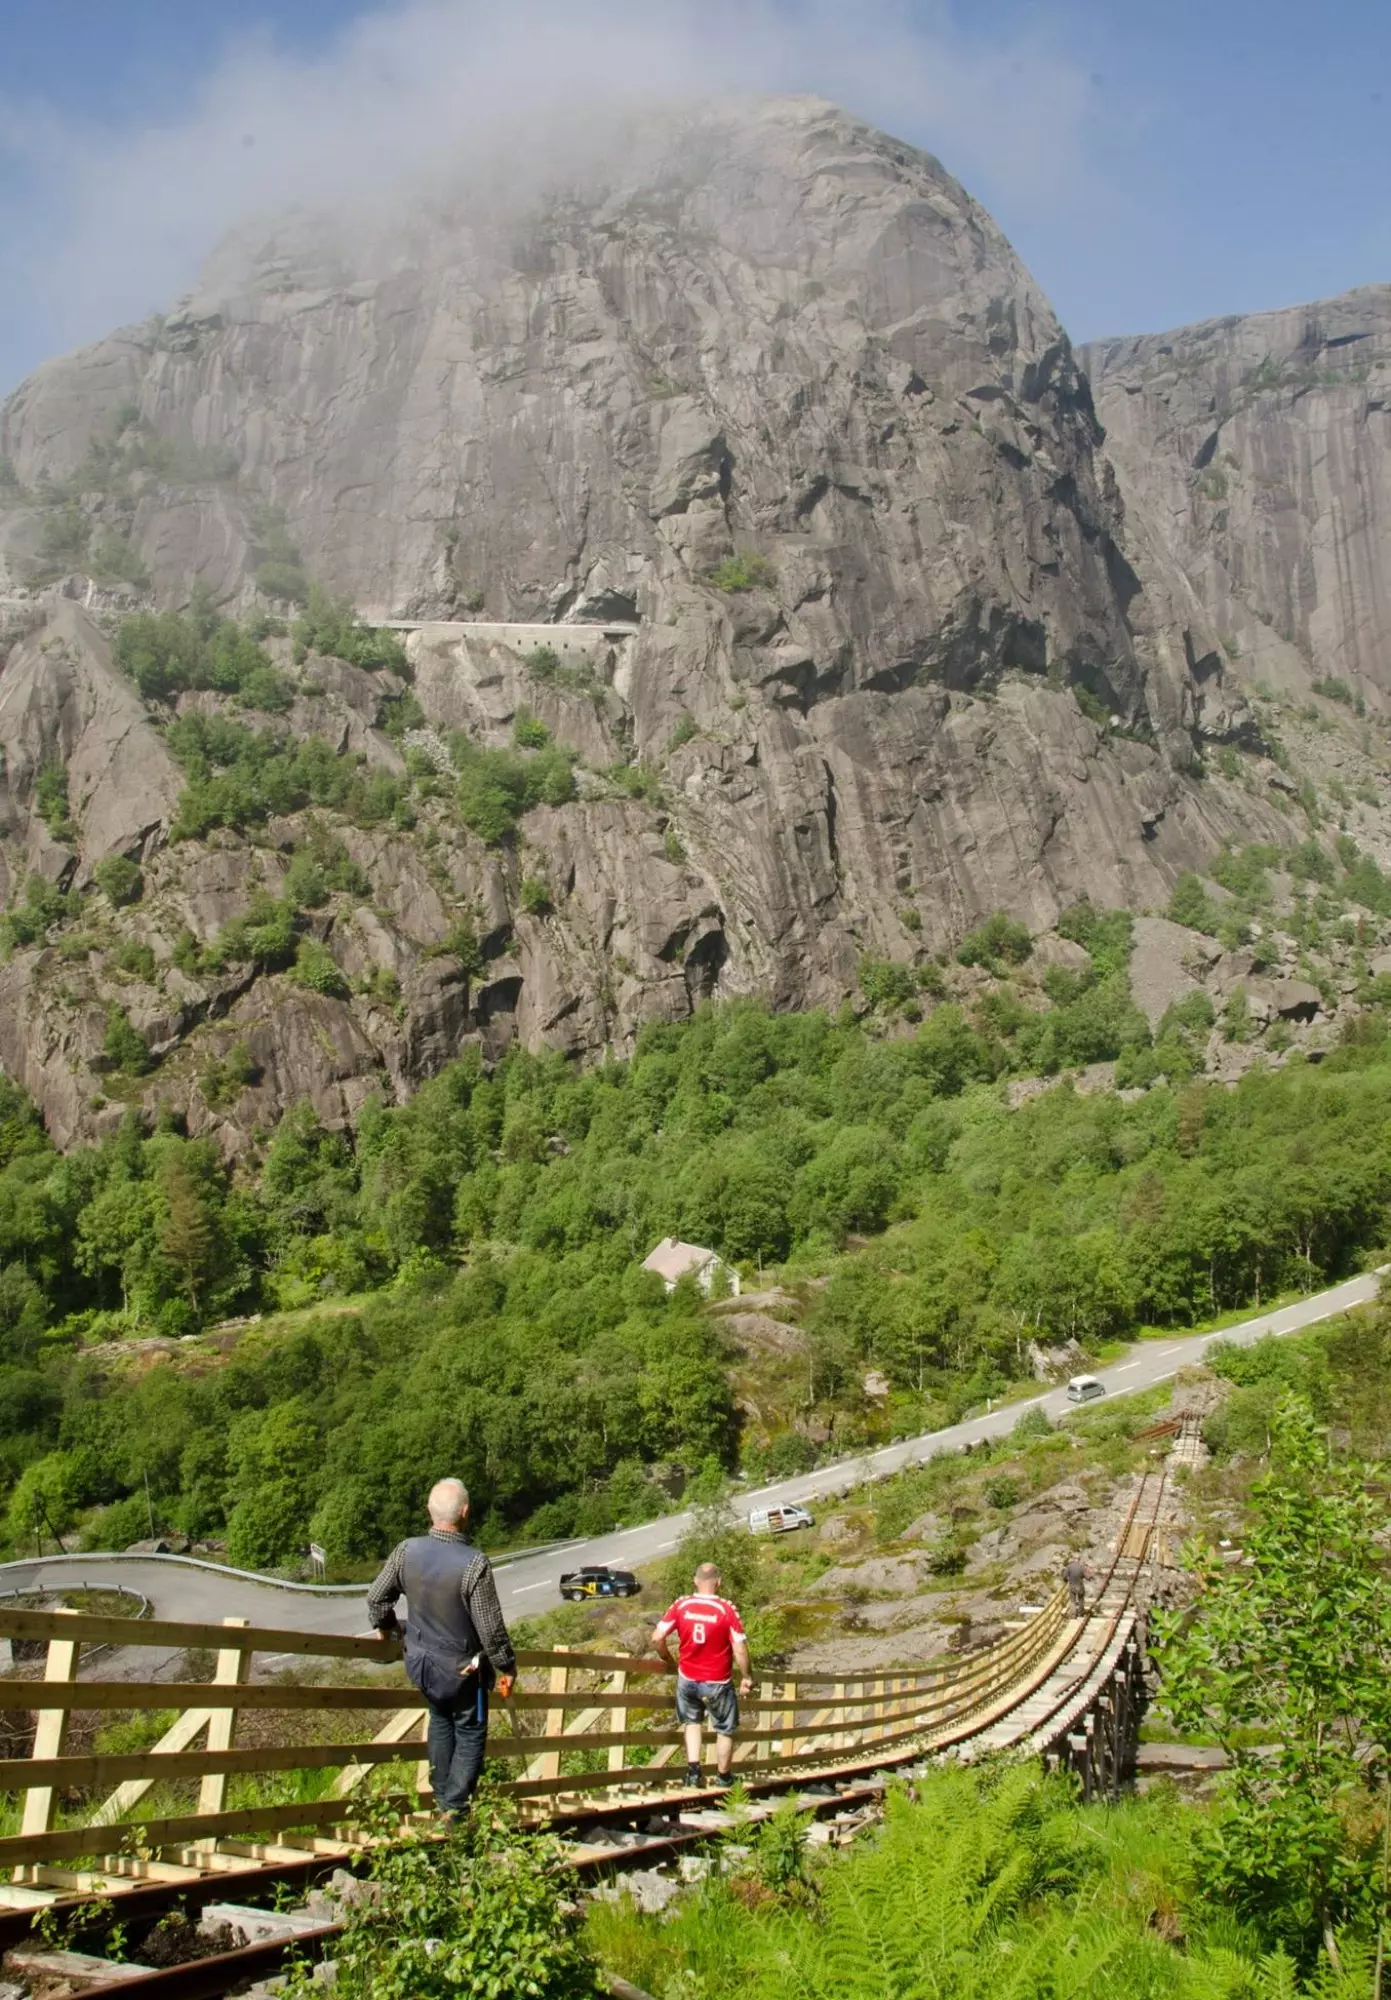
pixel 464 1270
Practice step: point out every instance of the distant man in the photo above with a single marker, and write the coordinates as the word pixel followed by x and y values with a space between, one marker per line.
pixel 456 1643
pixel 1075 1574
pixel 710 1642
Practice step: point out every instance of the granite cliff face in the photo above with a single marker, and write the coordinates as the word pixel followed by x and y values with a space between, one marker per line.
pixel 771 425
pixel 1258 449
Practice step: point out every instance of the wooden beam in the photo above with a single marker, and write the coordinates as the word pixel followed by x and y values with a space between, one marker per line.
pixel 93 1629
pixel 620 1723
pixel 51 1733
pixel 407 1725
pixel 233 1667
pixel 135 1768
pixel 151 1835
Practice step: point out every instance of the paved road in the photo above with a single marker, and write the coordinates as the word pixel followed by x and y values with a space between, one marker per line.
pixel 179 1588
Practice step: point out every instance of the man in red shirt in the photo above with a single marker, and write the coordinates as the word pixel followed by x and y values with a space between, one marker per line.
pixel 710 1641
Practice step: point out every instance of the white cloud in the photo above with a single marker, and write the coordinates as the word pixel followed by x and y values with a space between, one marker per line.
pixel 115 224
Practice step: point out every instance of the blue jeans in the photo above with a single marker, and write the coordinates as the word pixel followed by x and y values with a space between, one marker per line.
pixel 455 1743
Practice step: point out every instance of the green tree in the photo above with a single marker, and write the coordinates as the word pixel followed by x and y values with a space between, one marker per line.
pixel 1191 905
pixel 188 1233
pixel 999 941
pixel 119 879
pixel 124 1047
pixel 1294 1645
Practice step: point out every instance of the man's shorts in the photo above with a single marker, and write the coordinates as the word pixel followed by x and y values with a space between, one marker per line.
pixel 717 1699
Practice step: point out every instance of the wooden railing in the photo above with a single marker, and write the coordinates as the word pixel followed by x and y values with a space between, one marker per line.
pixel 579 1727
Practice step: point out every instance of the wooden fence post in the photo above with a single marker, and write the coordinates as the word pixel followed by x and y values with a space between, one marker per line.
pixel 233 1670
pixel 618 1723
pixel 50 1734
pixel 548 1763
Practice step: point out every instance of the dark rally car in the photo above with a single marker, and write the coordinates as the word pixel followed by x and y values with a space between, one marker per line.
pixel 598 1580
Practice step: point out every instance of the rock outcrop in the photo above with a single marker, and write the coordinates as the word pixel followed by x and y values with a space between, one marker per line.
pixel 1258 451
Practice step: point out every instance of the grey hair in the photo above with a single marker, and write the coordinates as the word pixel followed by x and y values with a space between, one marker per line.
pixel 447 1502
pixel 708 1573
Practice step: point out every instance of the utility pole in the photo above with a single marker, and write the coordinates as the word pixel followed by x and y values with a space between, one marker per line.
pixel 149 1504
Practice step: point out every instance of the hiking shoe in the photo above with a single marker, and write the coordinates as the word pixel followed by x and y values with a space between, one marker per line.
pixel 721 1782
pixel 692 1780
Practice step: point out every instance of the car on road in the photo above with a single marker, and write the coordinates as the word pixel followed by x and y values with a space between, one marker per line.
pixel 779 1520
pixel 1082 1388
pixel 598 1580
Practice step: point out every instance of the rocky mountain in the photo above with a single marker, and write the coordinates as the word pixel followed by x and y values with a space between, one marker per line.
pixel 1259 450
pixel 749 468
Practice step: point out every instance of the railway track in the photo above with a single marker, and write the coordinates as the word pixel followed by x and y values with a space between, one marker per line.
pixel 835 1745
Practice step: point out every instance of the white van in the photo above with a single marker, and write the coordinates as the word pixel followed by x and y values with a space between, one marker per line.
pixel 779 1520
pixel 1082 1388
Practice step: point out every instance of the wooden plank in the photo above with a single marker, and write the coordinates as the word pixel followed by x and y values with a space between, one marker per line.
pixel 176 1738
pixel 93 1629
pixel 233 1668
pixel 600 1663
pixel 51 1733
pixel 150 1835
pixel 106 1695
pixel 616 1750
pixel 408 1725
pixel 548 1764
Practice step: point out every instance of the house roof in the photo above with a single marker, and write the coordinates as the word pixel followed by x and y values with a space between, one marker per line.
pixel 672 1260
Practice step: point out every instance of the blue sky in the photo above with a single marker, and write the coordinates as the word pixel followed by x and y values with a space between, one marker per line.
pixel 1152 163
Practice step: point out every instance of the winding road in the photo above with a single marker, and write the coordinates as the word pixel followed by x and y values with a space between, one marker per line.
pixel 180 1587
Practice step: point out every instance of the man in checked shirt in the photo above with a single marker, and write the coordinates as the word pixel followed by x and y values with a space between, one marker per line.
pixel 456 1644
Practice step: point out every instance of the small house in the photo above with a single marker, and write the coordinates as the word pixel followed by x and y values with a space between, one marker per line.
pixel 672 1261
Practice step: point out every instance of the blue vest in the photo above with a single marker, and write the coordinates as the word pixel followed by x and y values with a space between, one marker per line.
pixel 440 1635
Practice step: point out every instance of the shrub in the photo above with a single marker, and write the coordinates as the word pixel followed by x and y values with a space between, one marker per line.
pixel 285 582
pixel 1333 689
pixel 123 1046
pixel 1236 1016
pixel 542 663
pixel 43 906
pixel 119 879
pixel 316 969
pixel 1191 905
pixel 1094 709
pixel 238 776
pixel 51 801
pixel 115 559
pixel 487 1913
pixel 224 1079
pixel 535 896
pixel 685 729
pixel 885 983
pixel 496 787
pixel 64 536
pixel 1309 862
pixel 998 941
pixel 166 652
pixel 265 937
pixel 330 625
pixel 529 732
pixel 136 959
pixel 461 942
pixel 744 572
pixel 637 781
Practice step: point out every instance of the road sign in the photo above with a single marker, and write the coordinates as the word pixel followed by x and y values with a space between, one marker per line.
pixel 318 1555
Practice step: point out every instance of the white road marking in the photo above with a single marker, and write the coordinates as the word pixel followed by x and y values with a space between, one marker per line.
pixel 518 1588
pixel 665 1545
pixel 1126 1367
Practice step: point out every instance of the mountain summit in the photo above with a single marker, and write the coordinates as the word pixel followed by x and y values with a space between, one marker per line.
pixel 744 465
